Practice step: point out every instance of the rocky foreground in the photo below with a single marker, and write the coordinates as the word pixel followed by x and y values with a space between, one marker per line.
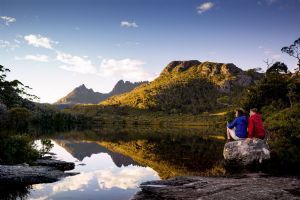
pixel 45 171
pixel 241 154
pixel 250 186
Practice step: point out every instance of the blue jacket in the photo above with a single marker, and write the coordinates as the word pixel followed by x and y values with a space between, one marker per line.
pixel 240 124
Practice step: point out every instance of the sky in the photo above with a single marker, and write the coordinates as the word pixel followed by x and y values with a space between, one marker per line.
pixel 56 45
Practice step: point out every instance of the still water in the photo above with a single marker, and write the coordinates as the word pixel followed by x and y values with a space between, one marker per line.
pixel 112 163
pixel 103 174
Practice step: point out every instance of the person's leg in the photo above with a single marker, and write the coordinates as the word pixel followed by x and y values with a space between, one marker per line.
pixel 228 134
pixel 232 134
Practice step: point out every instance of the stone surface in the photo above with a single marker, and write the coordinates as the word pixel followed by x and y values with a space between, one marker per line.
pixel 250 186
pixel 57 164
pixel 246 152
pixel 27 175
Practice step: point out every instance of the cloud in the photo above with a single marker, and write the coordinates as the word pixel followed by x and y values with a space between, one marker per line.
pixel 129 24
pixel 206 6
pixel 75 63
pixel 38 57
pixel 73 183
pixel 128 69
pixel 276 56
pixel 269 53
pixel 39 41
pixel 268 2
pixel 8 45
pixel 126 178
pixel 8 20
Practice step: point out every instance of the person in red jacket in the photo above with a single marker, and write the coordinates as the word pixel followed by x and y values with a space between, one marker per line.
pixel 255 125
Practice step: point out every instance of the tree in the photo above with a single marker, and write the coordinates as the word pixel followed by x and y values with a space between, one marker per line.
pixel 294 51
pixel 277 67
pixel 19 119
pixel 270 90
pixel 12 93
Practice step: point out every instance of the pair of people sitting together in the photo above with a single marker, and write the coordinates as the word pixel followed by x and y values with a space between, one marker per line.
pixel 237 130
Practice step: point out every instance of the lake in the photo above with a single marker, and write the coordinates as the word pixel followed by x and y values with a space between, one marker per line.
pixel 113 162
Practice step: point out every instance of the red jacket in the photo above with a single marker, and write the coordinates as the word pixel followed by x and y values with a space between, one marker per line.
pixel 255 127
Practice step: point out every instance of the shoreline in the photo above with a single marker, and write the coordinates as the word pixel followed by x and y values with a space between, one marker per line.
pixel 45 171
pixel 244 186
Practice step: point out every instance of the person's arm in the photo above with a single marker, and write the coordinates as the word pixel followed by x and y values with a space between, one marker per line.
pixel 232 124
pixel 250 128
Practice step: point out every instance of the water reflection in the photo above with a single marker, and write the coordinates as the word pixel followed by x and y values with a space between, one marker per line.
pixel 113 162
pixel 99 178
pixel 82 149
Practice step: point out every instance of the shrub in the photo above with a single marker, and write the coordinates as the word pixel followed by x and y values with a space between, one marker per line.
pixel 284 142
pixel 19 119
pixel 17 149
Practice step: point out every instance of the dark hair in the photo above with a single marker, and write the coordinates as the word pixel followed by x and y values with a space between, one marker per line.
pixel 239 111
pixel 254 110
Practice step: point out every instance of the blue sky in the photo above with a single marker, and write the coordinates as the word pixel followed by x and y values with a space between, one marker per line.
pixel 54 46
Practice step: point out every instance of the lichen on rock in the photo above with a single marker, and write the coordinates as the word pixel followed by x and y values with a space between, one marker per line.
pixel 246 152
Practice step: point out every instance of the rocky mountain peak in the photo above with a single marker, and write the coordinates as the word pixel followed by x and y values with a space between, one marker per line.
pixel 122 87
pixel 83 95
pixel 180 66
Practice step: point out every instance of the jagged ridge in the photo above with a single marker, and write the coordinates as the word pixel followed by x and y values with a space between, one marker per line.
pixel 186 86
pixel 83 95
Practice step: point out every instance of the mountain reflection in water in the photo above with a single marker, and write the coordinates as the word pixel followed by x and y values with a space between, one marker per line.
pixel 103 174
pixel 81 150
pixel 112 163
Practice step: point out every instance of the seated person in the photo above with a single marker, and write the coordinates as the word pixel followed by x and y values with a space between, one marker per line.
pixel 255 125
pixel 237 129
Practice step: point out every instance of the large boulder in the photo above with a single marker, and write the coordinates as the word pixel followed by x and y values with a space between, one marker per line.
pixel 246 152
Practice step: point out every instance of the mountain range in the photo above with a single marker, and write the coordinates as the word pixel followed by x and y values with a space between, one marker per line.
pixel 188 86
pixel 83 95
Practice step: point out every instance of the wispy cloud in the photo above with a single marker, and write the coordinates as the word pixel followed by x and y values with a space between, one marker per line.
pixel 38 57
pixel 8 20
pixel 39 41
pixel 206 6
pixel 128 69
pixel 126 178
pixel 128 24
pixel 76 63
pixel 268 2
pixel 127 44
pixel 269 53
pixel 8 45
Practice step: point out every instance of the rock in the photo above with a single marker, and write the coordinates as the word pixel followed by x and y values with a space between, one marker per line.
pixel 24 164
pixel 246 152
pixel 28 175
pixel 57 164
pixel 251 186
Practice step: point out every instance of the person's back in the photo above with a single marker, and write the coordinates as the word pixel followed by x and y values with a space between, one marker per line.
pixel 255 125
pixel 240 125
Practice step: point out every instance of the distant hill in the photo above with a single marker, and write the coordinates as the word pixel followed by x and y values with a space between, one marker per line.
pixel 187 86
pixel 83 95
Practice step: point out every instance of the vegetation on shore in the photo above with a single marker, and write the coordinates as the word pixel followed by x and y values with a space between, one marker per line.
pixel 21 119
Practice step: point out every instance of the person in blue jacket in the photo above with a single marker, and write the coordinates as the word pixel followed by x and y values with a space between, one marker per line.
pixel 237 129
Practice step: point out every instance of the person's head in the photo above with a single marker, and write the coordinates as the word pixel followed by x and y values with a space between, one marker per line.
pixel 239 112
pixel 253 111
